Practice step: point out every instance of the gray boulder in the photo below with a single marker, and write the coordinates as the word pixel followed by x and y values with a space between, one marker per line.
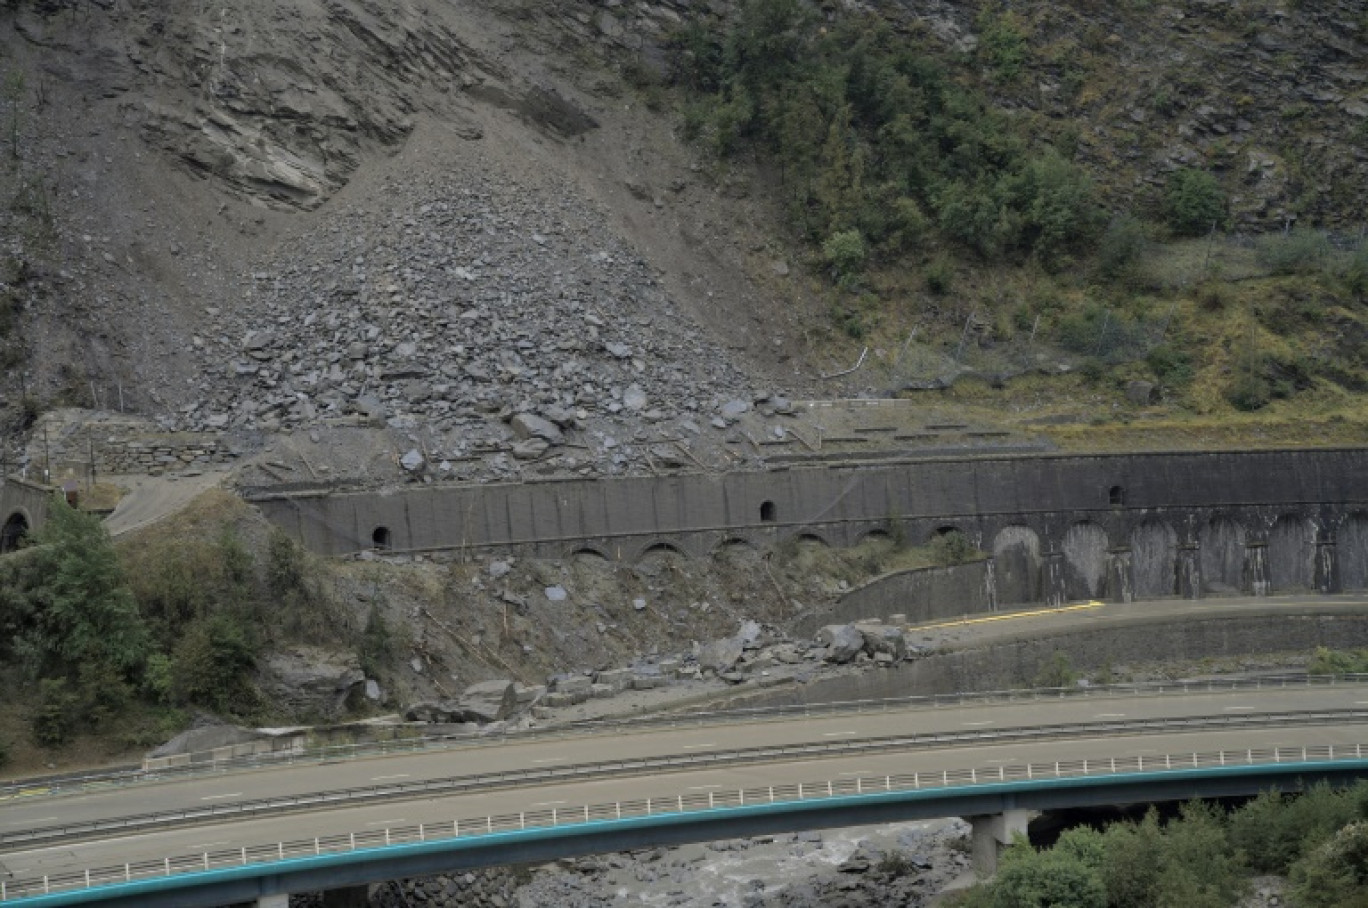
pixel 529 425
pixel 721 655
pixel 842 641
pixel 883 639
pixel 487 701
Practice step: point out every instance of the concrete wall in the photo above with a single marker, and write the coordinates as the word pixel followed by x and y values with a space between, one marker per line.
pixel 1063 527
pixel 924 596
pixel 1016 664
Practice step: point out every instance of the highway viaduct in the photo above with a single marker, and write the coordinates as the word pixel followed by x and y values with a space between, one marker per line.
pixel 324 825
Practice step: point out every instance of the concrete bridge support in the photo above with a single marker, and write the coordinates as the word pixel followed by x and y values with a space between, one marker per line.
pixel 994 832
pixel 274 901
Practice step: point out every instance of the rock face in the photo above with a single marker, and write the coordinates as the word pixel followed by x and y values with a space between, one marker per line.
pixel 311 680
pixel 487 701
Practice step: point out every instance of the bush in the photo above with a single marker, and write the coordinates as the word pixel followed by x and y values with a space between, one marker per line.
pixel 1121 248
pixel 1326 661
pixel 951 548
pixel 1302 251
pixel 212 665
pixel 1173 367
pixel 57 713
pixel 1194 202
pixel 845 251
pixel 1057 672
pixel 1335 874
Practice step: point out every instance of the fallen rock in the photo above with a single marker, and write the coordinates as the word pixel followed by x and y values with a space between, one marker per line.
pixel 842 641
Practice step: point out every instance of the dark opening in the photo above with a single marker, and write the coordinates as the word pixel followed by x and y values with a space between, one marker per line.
pixel 381 537
pixel 768 514
pixel 1117 495
pixel 12 536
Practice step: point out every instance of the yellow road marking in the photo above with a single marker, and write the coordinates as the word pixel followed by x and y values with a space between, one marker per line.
pixel 1008 616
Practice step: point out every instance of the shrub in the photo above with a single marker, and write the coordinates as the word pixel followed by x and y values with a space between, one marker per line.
pixel 1194 202
pixel 1302 251
pixel 1058 671
pixel 951 548
pixel 845 251
pixel 1121 247
pixel 1173 367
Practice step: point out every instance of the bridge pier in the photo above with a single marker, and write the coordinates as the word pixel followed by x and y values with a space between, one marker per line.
pixel 994 832
pixel 273 901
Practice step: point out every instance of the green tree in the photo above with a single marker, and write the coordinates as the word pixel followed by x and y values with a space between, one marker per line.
pixel 845 251
pixel 1335 873
pixel 1121 248
pixel 1194 202
pixel 1055 878
pixel 84 617
pixel 212 664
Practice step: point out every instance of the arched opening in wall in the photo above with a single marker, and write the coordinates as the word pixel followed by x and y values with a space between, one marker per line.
pixel 380 538
pixel 735 550
pixel 1222 541
pixel 1016 565
pixel 1351 548
pixel 586 556
pixel 810 540
pixel 13 533
pixel 1292 554
pixel 1116 496
pixel 1085 561
pixel 660 552
pixel 768 512
pixel 1154 560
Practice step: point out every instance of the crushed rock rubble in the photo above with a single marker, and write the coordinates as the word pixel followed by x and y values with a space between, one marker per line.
pixel 498 325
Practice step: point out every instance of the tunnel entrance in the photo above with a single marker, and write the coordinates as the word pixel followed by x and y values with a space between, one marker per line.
pixel 381 538
pixel 13 533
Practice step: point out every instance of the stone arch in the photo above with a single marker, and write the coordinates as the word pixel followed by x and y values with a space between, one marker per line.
pixel 1292 553
pixel 807 538
pixel 1085 561
pixel 1351 548
pixel 662 548
pixel 1154 560
pixel 945 530
pixel 877 534
pixel 585 553
pixel 1016 565
pixel 12 534
pixel 1222 542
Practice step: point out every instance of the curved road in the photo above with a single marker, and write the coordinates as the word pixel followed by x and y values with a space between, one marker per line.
pixel 225 833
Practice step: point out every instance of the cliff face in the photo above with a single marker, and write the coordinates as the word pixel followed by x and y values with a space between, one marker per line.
pixel 162 153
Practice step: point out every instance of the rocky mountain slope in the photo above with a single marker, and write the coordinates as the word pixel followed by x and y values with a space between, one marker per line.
pixel 270 215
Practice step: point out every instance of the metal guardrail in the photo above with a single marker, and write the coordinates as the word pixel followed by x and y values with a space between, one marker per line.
pixel 637 766
pixel 206 763
pixel 672 804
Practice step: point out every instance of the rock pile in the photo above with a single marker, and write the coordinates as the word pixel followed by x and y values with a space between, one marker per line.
pixel 505 327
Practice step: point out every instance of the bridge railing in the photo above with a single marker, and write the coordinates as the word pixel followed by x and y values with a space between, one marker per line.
pixel 864 785
pixel 215 762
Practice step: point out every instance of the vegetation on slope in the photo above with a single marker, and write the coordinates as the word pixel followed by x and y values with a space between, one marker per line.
pixel 939 202
pixel 130 637
pixel 1202 859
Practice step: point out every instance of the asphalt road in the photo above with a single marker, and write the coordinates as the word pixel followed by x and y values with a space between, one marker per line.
pixel 229 833
pixel 27 864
